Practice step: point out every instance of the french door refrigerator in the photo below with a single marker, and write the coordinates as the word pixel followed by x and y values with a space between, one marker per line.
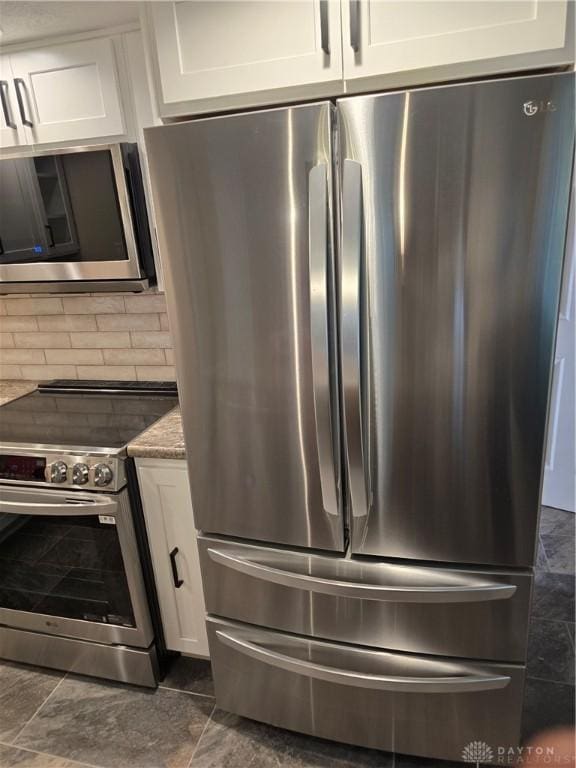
pixel 363 297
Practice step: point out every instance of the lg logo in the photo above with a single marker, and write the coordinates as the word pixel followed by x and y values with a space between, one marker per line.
pixel 531 108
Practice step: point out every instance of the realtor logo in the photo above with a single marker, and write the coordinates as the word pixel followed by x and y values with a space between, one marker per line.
pixel 477 752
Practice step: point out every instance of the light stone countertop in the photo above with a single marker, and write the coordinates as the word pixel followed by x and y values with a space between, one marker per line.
pixel 11 389
pixel 163 440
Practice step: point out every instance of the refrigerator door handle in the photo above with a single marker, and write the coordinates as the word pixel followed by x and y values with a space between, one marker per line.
pixel 458 683
pixel 318 255
pixel 471 592
pixel 351 335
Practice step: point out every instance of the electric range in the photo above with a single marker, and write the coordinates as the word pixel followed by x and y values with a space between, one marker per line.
pixel 76 585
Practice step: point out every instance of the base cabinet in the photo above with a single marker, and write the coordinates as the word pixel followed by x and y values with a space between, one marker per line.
pixel 165 493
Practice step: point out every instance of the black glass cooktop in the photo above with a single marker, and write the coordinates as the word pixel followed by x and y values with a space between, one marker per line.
pixel 93 415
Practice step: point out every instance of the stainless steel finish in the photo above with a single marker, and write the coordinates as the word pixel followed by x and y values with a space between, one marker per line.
pixel 351 286
pixel 453 593
pixel 354 10
pixel 456 682
pixel 133 286
pixel 114 662
pixel 20 88
pixel 465 202
pixel 103 475
pixel 58 472
pixel 324 31
pixel 53 272
pixel 474 613
pixel 231 196
pixel 406 703
pixel 5 105
pixel 39 501
pixel 75 455
pixel 319 267
pixel 80 473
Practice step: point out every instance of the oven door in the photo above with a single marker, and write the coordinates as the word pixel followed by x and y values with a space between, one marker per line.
pixel 51 231
pixel 69 566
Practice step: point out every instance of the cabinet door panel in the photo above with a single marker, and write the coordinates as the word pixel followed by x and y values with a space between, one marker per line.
pixel 207 50
pixel 12 132
pixel 168 511
pixel 70 91
pixel 402 35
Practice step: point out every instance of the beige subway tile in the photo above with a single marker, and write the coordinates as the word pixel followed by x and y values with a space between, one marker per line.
pixel 151 339
pixel 49 306
pixel 18 323
pixel 42 340
pixel 120 372
pixel 134 357
pixel 6 339
pixel 22 356
pixel 155 372
pixel 75 356
pixel 100 340
pixel 164 322
pixel 169 356
pixel 94 305
pixel 10 371
pixel 67 323
pixel 128 322
pixel 146 303
pixel 2 307
pixel 44 372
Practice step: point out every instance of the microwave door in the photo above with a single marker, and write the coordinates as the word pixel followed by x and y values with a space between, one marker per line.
pixel 23 233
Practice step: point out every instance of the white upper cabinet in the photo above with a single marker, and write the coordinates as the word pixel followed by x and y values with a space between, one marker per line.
pixel 217 55
pixel 382 38
pixel 12 132
pixel 68 92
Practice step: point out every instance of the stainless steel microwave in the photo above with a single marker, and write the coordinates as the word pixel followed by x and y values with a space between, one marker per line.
pixel 74 219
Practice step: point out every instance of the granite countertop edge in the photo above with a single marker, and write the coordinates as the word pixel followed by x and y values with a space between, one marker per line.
pixel 163 440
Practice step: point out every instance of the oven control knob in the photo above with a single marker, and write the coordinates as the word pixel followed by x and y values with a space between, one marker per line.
pixel 102 474
pixel 80 474
pixel 58 472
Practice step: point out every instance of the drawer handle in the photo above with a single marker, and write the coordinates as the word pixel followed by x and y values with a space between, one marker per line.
pixel 175 578
pixel 460 593
pixel 465 683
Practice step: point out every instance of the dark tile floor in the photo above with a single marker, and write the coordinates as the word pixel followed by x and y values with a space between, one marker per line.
pixel 52 720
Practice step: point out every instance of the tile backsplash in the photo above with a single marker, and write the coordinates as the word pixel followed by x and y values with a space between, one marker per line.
pixel 88 336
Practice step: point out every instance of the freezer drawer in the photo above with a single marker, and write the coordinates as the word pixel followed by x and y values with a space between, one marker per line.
pixel 392 701
pixel 422 609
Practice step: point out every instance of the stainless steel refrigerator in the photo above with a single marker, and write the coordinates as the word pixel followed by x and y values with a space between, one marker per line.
pixel 363 296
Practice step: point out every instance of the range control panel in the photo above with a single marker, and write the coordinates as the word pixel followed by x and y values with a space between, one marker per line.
pixel 94 473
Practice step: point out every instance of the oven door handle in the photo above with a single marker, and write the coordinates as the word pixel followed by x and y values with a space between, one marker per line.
pixel 69 508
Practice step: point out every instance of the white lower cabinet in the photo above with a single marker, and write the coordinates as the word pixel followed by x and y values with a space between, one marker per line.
pixel 165 493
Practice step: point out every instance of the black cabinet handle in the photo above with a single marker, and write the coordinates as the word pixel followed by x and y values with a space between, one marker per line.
pixel 175 578
pixel 51 241
pixel 1 247
pixel 19 84
pixel 5 109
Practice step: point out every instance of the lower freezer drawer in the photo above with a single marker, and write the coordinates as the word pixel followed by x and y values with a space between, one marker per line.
pixel 467 612
pixel 391 701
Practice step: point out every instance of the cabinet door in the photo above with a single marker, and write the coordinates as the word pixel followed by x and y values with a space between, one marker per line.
pixel 167 507
pixel 384 37
pixel 247 51
pixel 70 91
pixel 12 132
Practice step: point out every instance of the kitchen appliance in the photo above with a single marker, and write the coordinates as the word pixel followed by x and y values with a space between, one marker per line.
pixel 74 592
pixel 74 219
pixel 363 297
